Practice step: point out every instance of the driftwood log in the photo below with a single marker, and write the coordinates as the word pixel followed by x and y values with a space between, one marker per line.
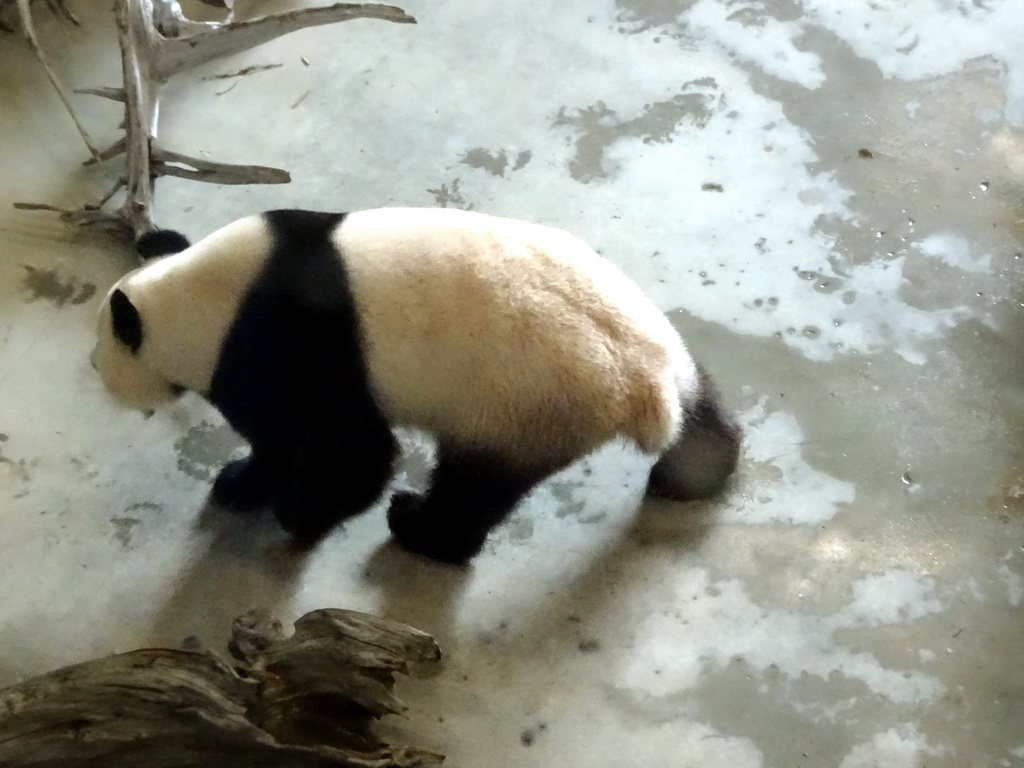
pixel 157 42
pixel 305 701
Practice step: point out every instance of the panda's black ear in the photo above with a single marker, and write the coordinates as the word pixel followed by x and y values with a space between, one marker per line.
pixel 125 320
pixel 160 242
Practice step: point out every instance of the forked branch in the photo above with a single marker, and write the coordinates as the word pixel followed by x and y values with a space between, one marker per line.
pixel 157 41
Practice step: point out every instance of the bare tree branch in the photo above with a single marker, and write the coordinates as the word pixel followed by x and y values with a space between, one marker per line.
pixel 178 54
pixel 113 150
pixel 118 186
pixel 137 37
pixel 157 41
pixel 171 164
pixel 30 34
pixel 114 94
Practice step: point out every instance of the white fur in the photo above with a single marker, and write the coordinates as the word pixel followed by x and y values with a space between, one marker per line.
pixel 511 335
pixel 486 331
pixel 187 301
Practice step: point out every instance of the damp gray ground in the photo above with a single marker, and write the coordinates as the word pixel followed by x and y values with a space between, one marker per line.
pixel 829 206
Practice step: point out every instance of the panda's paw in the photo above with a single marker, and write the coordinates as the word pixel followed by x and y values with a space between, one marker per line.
pixel 404 510
pixel 241 486
pixel 305 528
pixel 418 531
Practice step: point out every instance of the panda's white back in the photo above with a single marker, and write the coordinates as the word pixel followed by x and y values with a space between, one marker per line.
pixel 510 335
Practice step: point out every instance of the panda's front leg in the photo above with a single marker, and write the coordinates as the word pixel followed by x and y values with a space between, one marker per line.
pixel 246 484
pixel 333 474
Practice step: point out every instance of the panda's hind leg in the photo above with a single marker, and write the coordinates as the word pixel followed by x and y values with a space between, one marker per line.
pixel 705 455
pixel 470 493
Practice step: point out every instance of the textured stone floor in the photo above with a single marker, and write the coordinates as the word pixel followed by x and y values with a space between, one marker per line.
pixel 828 200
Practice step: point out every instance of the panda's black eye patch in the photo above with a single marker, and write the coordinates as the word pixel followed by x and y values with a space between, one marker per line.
pixel 126 321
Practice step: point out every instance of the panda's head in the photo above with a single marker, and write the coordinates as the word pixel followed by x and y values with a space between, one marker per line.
pixel 123 359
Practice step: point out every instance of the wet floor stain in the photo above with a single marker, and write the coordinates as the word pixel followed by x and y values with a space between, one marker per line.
pixel 85 468
pixel 123 527
pixel 520 529
pixel 205 449
pixel 1008 501
pixel 642 15
pixel 495 163
pixel 599 127
pixel 15 474
pixel 570 509
pixel 59 290
pixel 144 506
pixel 529 735
pixel 450 196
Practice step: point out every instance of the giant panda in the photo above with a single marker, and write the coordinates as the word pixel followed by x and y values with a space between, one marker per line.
pixel 514 344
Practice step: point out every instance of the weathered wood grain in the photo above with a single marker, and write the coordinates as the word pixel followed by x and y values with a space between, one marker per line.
pixel 307 700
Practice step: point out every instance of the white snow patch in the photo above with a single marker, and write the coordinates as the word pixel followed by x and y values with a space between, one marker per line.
pixel 765 41
pixel 893 597
pixel 929 38
pixel 713 623
pixel 877 318
pixel 954 252
pixel 900 747
pixel 794 492
pixel 1014 584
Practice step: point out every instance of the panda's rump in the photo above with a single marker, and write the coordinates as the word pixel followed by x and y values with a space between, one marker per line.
pixel 509 337
pixel 523 393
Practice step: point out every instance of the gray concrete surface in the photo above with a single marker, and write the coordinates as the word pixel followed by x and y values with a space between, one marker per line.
pixel 827 197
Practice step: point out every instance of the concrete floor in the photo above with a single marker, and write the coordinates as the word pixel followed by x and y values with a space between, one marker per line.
pixel 828 199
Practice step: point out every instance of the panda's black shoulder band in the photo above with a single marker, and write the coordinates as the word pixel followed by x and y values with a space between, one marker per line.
pixel 160 242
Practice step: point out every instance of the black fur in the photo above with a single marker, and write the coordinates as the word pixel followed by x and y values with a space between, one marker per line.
pixel 291 380
pixel 125 321
pixel 701 461
pixel 470 493
pixel 160 242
